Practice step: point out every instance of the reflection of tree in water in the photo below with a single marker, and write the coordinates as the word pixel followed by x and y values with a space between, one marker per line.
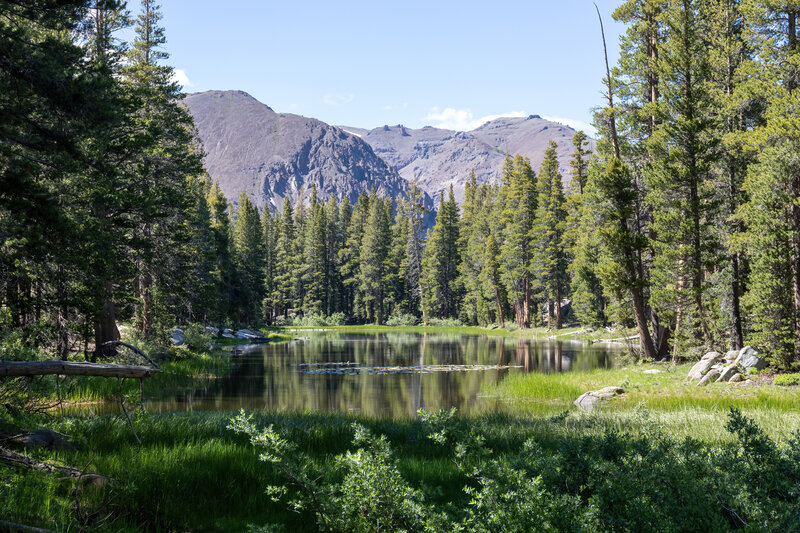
pixel 270 377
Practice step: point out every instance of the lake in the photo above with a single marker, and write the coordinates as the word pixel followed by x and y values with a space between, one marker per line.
pixel 381 374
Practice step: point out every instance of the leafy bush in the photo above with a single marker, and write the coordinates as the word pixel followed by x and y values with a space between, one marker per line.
pixel 372 496
pixel 317 321
pixel 786 380
pixel 445 322
pixel 402 319
pixel 616 482
pixel 197 338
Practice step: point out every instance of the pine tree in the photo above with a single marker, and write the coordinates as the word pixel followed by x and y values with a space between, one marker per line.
pixel 440 262
pixel 350 255
pixel 680 191
pixel 163 132
pixel 414 210
pixel 269 228
pixel 772 210
pixel 248 261
pixel 334 238
pixel 549 255
pixel 517 205
pixel 610 195
pixel 315 267
pixel 374 251
pixel 282 292
pixel 222 270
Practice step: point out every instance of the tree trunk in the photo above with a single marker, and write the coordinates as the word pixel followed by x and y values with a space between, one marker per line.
pixel 105 326
pixel 641 323
pixel 499 307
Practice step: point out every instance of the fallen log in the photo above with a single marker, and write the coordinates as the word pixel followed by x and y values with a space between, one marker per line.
pixel 68 368
pixel 11 526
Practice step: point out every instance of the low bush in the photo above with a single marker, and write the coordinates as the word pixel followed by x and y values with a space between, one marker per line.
pixel 402 319
pixel 615 482
pixel 445 322
pixel 197 338
pixel 317 321
pixel 786 380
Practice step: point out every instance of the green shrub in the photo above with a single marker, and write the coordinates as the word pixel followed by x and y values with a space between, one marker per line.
pixel 197 338
pixel 445 322
pixel 319 321
pixel 786 380
pixel 619 481
pixel 402 319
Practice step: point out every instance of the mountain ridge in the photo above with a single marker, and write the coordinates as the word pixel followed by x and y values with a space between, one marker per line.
pixel 272 156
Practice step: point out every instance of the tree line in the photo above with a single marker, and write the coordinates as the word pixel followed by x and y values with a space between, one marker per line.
pixel 683 222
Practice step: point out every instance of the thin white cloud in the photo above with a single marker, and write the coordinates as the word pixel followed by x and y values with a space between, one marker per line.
pixel 337 99
pixel 393 107
pixel 574 124
pixel 179 76
pixel 463 119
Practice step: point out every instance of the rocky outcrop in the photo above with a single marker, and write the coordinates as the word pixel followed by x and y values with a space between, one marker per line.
pixel 271 156
pixel 709 377
pixel 589 400
pixel 702 367
pixel 726 368
pixel 748 359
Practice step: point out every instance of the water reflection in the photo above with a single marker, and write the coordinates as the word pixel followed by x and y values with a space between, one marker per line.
pixel 271 376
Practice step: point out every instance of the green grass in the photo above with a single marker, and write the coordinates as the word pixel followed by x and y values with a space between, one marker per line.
pixel 665 399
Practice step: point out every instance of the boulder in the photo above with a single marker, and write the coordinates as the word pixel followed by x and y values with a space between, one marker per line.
pixel 250 334
pixel 703 365
pixel 211 329
pixel 749 358
pixel 736 378
pixel 228 335
pixel 651 371
pixel 710 377
pixel 177 338
pixel 728 372
pixel 587 400
pixel 731 356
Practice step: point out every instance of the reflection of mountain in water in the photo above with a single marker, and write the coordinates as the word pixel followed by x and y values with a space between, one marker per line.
pixel 270 376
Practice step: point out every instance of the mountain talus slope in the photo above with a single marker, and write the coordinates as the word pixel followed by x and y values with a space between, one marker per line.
pixel 276 155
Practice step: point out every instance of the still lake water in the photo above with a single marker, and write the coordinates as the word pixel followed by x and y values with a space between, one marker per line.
pixel 383 374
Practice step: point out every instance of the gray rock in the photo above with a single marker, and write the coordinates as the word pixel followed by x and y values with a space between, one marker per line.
pixel 588 400
pixel 651 371
pixel 212 330
pixel 177 338
pixel 749 358
pixel 228 335
pixel 703 365
pixel 730 356
pixel 728 372
pixel 710 377
pixel 736 378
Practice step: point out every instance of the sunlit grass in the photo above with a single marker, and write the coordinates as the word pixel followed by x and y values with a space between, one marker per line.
pixel 669 401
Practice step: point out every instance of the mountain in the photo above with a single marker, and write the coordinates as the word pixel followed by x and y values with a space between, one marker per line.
pixel 272 155
pixel 438 157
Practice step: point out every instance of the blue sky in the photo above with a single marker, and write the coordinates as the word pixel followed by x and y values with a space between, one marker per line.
pixel 365 64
